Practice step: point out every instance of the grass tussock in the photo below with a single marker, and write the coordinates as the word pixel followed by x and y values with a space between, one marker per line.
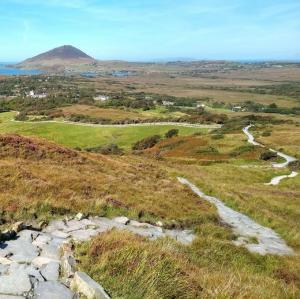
pixel 133 267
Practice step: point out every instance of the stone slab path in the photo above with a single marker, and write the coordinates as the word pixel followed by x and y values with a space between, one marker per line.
pixel 30 265
pixel 255 237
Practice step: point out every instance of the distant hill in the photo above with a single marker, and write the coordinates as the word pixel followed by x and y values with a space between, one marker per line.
pixel 57 59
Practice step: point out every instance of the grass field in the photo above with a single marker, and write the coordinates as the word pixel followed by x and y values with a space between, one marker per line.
pixel 44 180
pixel 85 136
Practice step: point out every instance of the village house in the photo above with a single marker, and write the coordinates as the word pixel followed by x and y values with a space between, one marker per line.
pixel 33 95
pixel 101 98
pixel 167 103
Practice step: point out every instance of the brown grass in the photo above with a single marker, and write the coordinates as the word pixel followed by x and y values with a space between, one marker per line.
pixel 92 111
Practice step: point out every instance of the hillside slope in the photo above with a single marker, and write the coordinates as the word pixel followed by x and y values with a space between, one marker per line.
pixel 57 58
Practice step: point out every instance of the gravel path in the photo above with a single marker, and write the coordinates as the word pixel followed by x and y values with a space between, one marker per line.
pixel 30 265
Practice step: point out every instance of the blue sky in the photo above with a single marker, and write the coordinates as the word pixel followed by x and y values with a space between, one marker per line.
pixel 152 29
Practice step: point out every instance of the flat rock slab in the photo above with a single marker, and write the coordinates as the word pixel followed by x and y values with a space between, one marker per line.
pixel 88 287
pixel 19 250
pixel 15 281
pixel 50 271
pixel 52 290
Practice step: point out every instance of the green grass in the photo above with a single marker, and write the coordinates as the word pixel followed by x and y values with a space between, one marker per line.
pixel 86 136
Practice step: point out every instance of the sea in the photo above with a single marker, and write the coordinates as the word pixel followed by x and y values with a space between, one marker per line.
pixel 10 71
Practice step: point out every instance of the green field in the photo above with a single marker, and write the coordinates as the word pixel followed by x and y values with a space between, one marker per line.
pixel 85 136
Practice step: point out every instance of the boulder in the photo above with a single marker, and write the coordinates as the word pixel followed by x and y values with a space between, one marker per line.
pixel 88 287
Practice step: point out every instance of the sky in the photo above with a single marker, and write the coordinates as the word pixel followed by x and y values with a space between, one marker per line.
pixel 147 30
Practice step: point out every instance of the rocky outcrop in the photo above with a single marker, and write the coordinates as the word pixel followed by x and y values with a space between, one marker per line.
pixel 40 264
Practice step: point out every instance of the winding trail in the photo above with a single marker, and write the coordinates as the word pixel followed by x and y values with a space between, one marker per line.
pixel 255 237
pixel 276 180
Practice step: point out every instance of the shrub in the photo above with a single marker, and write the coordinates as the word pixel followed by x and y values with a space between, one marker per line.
pixel 217 136
pixel 21 116
pixel 242 149
pixel 110 149
pixel 267 155
pixel 172 133
pixel 266 133
pixel 295 165
pixel 146 143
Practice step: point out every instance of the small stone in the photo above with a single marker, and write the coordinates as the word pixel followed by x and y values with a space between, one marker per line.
pixel 88 287
pixel 122 220
pixel 42 224
pixel 52 290
pixel 80 216
pixel 159 223
pixel 18 226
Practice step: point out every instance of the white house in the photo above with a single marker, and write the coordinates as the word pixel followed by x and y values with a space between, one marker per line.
pixel 32 94
pixel 167 103
pixel 101 98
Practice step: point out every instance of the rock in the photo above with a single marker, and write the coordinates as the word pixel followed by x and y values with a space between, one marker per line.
pixel 159 223
pixel 50 271
pixel 68 264
pixel 18 226
pixel 60 234
pixel 140 224
pixel 7 235
pixel 80 216
pixel 88 287
pixel 52 290
pixel 20 250
pixel 83 234
pixel 41 261
pixel 122 220
pixel 15 281
pixel 42 224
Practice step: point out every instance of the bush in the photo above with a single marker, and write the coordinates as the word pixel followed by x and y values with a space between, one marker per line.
pixel 146 143
pixel 110 149
pixel 21 117
pixel 217 136
pixel 266 133
pixel 242 150
pixel 295 165
pixel 172 133
pixel 268 155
